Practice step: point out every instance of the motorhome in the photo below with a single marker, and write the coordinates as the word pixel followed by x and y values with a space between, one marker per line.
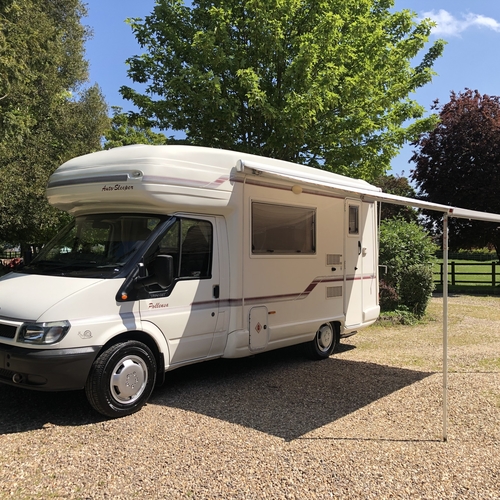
pixel 181 254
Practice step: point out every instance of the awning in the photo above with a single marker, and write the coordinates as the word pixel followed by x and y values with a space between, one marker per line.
pixel 368 192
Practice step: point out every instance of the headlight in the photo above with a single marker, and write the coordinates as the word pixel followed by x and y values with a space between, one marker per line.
pixel 43 333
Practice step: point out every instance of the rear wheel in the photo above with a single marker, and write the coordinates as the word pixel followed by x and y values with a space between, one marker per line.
pixel 121 379
pixel 324 342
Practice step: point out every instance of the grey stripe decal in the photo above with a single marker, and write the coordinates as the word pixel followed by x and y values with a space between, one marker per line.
pixel 89 180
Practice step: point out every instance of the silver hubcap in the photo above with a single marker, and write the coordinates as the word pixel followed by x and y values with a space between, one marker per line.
pixel 128 379
pixel 325 338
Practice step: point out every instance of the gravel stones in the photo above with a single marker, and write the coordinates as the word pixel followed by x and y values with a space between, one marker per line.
pixel 276 426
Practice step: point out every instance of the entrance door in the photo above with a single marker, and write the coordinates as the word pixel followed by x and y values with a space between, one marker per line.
pixel 353 298
pixel 187 312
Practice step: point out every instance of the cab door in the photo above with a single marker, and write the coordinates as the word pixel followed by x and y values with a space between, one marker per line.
pixel 187 312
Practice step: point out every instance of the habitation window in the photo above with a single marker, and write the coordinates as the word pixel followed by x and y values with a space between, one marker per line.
pixel 353 219
pixel 280 229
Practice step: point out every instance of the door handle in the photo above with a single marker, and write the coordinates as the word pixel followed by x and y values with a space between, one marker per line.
pixel 216 291
pixel 359 247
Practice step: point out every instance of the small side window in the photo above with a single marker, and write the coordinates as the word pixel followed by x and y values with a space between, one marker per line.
pixel 353 219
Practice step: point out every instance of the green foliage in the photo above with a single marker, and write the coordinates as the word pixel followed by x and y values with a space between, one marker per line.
pixel 482 252
pixel 408 253
pixel 41 52
pixel 473 254
pixel 46 117
pixel 403 244
pixel 130 128
pixel 325 83
pixel 416 288
pixel 401 316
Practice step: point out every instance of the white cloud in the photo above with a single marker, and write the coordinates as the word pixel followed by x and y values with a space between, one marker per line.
pixel 447 24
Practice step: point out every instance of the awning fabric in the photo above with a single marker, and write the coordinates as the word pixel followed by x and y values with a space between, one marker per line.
pixel 368 193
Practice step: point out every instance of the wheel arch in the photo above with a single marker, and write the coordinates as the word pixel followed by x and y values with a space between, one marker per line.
pixel 147 340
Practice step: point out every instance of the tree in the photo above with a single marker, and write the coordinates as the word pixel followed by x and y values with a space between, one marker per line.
pixel 46 117
pixel 325 83
pixel 130 128
pixel 41 54
pixel 458 164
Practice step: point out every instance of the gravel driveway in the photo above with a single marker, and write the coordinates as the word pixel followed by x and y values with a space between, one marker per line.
pixel 273 426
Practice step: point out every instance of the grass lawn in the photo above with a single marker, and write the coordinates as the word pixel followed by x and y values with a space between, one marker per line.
pixel 474 337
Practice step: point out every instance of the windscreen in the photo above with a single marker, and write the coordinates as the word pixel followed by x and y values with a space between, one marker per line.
pixel 95 246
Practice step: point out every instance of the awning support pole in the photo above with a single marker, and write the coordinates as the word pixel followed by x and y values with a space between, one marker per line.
pixel 445 327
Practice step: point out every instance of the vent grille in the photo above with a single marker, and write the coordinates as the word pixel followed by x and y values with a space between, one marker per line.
pixel 333 291
pixel 6 374
pixel 333 259
pixel 7 331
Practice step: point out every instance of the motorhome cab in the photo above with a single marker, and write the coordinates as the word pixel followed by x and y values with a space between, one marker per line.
pixel 181 254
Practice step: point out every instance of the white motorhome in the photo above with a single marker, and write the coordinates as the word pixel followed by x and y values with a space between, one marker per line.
pixel 181 254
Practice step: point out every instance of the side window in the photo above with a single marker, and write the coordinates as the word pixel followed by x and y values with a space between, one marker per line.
pixel 169 245
pixel 189 242
pixel 196 249
pixel 353 219
pixel 281 229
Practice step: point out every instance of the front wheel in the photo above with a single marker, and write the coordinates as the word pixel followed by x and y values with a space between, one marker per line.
pixel 121 379
pixel 324 342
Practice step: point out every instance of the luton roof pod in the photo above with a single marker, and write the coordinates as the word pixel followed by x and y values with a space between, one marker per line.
pixel 206 173
pixel 211 169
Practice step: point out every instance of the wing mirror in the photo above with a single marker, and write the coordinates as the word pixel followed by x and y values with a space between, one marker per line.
pixel 163 273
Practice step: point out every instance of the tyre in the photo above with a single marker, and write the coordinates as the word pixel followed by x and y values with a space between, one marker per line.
pixel 121 379
pixel 324 342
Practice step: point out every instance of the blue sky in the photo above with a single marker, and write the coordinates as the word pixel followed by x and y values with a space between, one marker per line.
pixel 471 57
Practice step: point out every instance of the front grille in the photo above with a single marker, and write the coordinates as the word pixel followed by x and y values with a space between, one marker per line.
pixel 7 331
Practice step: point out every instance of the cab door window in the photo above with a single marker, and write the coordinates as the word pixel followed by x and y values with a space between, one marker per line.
pixel 190 243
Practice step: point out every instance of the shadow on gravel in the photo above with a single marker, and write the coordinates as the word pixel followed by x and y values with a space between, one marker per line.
pixel 23 410
pixel 279 392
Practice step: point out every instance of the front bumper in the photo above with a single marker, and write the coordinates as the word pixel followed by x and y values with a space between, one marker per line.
pixel 46 369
